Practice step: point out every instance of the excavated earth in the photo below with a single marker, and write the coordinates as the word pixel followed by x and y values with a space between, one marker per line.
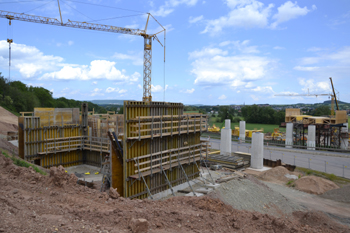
pixel 30 202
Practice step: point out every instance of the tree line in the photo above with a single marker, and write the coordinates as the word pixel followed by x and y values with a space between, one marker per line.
pixel 18 97
pixel 262 115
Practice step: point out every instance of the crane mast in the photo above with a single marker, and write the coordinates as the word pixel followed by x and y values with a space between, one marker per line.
pixel 147 58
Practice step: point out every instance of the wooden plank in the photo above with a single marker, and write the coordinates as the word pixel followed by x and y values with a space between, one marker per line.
pixel 163 122
pixel 189 158
pixel 157 170
pixel 166 151
pixel 164 134
pixel 164 128
pixel 166 157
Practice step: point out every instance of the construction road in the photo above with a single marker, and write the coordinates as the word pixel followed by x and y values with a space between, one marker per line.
pixel 329 162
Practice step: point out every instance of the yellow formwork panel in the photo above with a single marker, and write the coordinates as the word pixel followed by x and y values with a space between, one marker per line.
pixel 37 140
pixel 136 148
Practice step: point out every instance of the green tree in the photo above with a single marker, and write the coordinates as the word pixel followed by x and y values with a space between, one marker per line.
pixel 226 112
pixel 323 110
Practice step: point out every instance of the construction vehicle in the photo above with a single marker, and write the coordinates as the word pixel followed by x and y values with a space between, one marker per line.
pixel 147 57
pixel 214 129
pixel 248 133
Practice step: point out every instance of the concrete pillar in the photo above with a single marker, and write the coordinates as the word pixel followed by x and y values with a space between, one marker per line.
pixel 226 139
pixel 311 137
pixel 257 157
pixel 344 142
pixel 242 131
pixel 289 135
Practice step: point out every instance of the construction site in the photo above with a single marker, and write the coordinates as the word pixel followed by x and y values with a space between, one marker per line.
pixel 152 169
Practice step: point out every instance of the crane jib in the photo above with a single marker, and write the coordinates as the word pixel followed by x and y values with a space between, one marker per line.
pixel 74 24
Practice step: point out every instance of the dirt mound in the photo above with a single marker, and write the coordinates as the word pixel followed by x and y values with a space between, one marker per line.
pixel 341 194
pixel 56 206
pixel 4 144
pixel 60 178
pixel 277 175
pixel 8 121
pixel 314 185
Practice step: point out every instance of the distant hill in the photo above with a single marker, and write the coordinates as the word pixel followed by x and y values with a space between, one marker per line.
pixel 330 101
pixel 104 102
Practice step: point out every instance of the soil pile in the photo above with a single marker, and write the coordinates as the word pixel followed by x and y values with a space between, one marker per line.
pixel 30 202
pixel 60 178
pixel 314 185
pixel 8 121
pixel 8 146
pixel 341 194
pixel 277 175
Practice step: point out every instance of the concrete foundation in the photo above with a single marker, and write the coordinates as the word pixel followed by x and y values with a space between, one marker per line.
pixel 257 156
pixel 311 137
pixel 168 192
pixel 242 131
pixel 289 135
pixel 226 139
pixel 344 142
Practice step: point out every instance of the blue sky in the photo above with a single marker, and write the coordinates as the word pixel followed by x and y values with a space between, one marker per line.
pixel 217 52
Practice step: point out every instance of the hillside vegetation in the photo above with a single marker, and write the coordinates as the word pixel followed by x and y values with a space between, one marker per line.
pixel 18 97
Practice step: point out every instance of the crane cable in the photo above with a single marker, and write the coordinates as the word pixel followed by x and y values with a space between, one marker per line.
pixel 37 7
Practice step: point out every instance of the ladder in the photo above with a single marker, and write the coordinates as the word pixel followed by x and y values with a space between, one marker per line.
pixel 106 174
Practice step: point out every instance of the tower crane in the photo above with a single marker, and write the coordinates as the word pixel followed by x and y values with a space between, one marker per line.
pixel 147 55
pixel 332 96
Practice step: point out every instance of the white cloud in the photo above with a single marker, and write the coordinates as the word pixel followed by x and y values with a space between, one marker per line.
pixel 255 98
pixel 265 89
pixel 235 71
pixel 169 6
pixel 314 87
pixel 195 19
pixel 137 59
pixel 70 43
pixel 254 14
pixel 341 56
pixel 139 86
pixel 157 88
pixel 97 92
pixel 188 91
pixel 98 69
pixel 306 68
pixel 241 46
pixel 110 89
pixel 32 63
pixel 206 52
pixel 94 83
pixel 243 14
pixel 278 48
pixel 28 60
pixel 222 97
pixel 288 11
pixel 117 90
pixel 314 49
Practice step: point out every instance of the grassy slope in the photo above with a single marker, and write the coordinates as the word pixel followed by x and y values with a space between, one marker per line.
pixel 249 126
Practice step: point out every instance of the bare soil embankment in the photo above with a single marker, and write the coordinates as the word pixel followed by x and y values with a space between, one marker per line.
pixel 31 202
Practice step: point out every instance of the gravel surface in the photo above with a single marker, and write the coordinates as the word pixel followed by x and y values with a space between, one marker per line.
pixel 251 194
pixel 341 194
